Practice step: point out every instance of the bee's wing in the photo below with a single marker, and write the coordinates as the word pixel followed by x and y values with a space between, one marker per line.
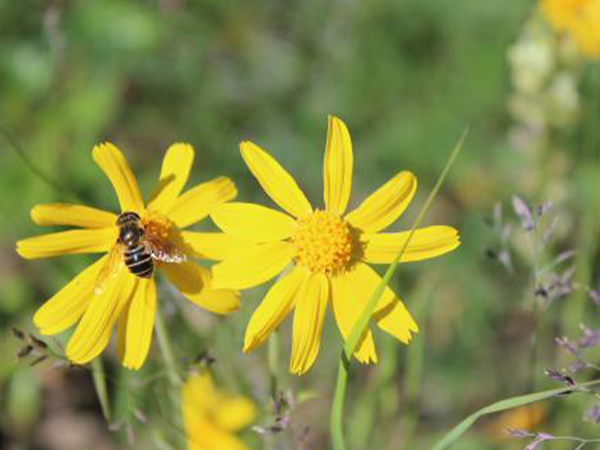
pixel 114 261
pixel 163 250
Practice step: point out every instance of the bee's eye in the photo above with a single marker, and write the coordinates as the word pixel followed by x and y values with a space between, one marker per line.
pixel 128 234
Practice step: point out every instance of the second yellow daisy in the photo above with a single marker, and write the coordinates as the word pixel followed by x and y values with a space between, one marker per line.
pixel 321 254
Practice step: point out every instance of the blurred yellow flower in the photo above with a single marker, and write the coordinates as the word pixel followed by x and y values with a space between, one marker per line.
pixel 562 13
pixel 580 19
pixel 526 417
pixel 122 296
pixel 321 254
pixel 211 417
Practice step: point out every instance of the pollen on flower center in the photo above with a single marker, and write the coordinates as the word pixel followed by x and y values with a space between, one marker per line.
pixel 164 238
pixel 323 242
pixel 157 225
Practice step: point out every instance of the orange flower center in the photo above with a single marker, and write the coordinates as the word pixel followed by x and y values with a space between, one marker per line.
pixel 164 239
pixel 324 243
pixel 158 226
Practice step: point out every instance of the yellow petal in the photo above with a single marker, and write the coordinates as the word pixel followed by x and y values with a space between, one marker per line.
pixel 198 394
pixel 203 434
pixel 209 415
pixel 253 222
pixel 562 14
pixel 194 283
pixel 337 169
pixel 94 240
pixel 93 331
pixel 364 281
pixel 309 313
pixel 197 203
pixel 234 413
pixel 173 176
pixel 585 30
pixel 115 167
pixel 65 307
pixel 397 321
pixel 122 333
pixel 278 302
pixel 385 205
pixel 252 265
pixel 140 322
pixel 76 215
pixel 429 242
pixel 216 246
pixel 275 180
pixel 347 305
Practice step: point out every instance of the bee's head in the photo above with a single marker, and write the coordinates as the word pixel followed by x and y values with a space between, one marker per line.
pixel 127 217
pixel 130 229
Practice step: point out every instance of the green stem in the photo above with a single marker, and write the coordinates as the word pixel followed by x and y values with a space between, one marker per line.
pixel 337 409
pixel 167 351
pixel 336 428
pixel 274 364
pixel 99 378
pixel 174 410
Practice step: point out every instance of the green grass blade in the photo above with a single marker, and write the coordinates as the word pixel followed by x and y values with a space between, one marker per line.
pixel 514 402
pixel 337 408
pixel 99 378
pixel 363 320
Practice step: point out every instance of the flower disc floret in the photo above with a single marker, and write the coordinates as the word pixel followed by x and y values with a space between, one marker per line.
pixel 159 226
pixel 323 243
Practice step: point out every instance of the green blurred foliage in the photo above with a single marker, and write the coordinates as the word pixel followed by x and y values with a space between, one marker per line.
pixel 406 76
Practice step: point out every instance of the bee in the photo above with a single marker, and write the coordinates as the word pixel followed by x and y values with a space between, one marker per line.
pixel 138 248
pixel 136 254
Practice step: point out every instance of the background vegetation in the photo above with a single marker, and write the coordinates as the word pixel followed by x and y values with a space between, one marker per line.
pixel 407 77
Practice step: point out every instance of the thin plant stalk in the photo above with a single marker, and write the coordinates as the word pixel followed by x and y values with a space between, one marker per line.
pixel 99 377
pixel 167 351
pixel 274 365
pixel 337 409
pixel 175 380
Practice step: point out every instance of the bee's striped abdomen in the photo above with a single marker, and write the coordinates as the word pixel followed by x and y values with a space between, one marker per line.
pixel 139 261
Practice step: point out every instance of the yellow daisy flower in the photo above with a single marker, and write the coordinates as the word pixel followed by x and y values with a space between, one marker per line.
pixel 321 254
pixel 586 30
pixel 107 291
pixel 561 13
pixel 580 19
pixel 211 416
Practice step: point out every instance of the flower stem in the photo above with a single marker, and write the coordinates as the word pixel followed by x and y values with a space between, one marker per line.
pixel 175 380
pixel 165 347
pixel 337 435
pixel 337 409
pixel 99 378
pixel 274 364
